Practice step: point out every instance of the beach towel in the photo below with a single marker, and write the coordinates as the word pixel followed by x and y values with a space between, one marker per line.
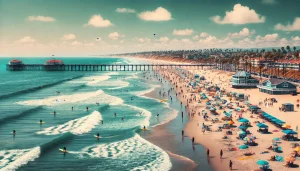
pixel 246 158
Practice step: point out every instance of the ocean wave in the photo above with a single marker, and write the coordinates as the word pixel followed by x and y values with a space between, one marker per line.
pixel 19 115
pixel 13 159
pixel 132 149
pixel 76 126
pixel 30 90
pixel 142 93
pixel 118 84
pixel 145 113
pixel 83 98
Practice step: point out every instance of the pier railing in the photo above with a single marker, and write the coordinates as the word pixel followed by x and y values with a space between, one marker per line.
pixel 103 67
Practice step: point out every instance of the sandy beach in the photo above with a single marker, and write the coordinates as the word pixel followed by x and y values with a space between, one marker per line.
pixel 214 141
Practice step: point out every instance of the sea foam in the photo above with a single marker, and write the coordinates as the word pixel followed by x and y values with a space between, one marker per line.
pixel 13 159
pixel 76 126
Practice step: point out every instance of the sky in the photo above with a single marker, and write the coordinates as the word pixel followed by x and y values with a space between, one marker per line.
pixel 97 27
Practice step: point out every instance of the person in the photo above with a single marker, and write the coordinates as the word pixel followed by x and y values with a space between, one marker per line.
pixel 230 165
pixel 157 115
pixel 207 152
pixel 65 150
pixel 193 140
pixel 115 114
pixel 41 122
pixel 182 133
pixel 122 118
pixel 72 108
pixel 98 135
pixel 221 154
pixel 144 128
pixel 182 114
pixel 54 112
pixel 102 122
pixel 87 108
pixel 14 132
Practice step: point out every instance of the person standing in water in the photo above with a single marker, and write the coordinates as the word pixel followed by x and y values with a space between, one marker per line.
pixel 54 112
pixel 98 135
pixel 182 133
pixel 65 150
pixel 87 108
pixel 41 121
pixel 14 132
pixel 115 114
pixel 72 108
pixel 144 128
pixel 193 141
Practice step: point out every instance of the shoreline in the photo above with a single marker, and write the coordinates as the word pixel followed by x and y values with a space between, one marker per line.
pixel 193 130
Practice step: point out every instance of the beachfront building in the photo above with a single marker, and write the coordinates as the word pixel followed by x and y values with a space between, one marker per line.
pixel 277 86
pixel 15 62
pixel 288 107
pixel 243 79
pixel 54 62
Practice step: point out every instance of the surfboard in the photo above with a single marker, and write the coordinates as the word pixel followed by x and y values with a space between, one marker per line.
pixel 13 133
pixel 62 150
pixel 144 129
pixel 97 136
pixel 41 123
pixel 164 100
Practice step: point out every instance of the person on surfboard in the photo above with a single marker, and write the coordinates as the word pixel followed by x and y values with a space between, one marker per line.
pixel 14 132
pixel 65 150
pixel 98 135
pixel 41 121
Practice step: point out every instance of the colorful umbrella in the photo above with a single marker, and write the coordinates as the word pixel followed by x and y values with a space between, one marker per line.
pixel 297 149
pixel 286 126
pixel 243 147
pixel 262 162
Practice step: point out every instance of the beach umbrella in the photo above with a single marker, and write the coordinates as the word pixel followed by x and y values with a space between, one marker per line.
pixel 246 139
pixel 276 139
pixel 243 120
pixel 262 162
pixel 241 132
pixel 297 149
pixel 243 127
pixel 289 132
pixel 286 126
pixel 230 122
pixel 261 125
pixel 243 147
pixel 290 159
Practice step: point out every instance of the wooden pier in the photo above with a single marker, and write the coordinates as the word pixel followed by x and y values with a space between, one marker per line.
pixel 103 67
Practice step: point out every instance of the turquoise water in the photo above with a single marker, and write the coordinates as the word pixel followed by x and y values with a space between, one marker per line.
pixel 28 96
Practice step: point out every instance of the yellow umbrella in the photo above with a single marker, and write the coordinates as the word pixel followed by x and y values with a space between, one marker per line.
pixel 230 122
pixel 297 149
pixel 286 126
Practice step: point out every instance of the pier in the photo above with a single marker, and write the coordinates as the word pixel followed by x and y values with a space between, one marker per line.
pixel 103 67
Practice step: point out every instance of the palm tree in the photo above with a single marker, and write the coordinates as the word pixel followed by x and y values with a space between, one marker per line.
pixel 282 49
pixel 294 48
pixel 288 48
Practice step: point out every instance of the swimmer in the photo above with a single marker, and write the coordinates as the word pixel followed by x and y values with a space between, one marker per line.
pixel 157 115
pixel 41 121
pixel 72 108
pixel 54 112
pixel 98 135
pixel 115 115
pixel 87 108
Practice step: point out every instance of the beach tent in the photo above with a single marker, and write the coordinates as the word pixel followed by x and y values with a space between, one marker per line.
pixel 289 132
pixel 243 127
pixel 288 106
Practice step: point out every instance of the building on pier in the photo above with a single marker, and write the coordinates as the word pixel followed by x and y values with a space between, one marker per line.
pixel 15 65
pixel 243 79
pixel 54 62
pixel 277 86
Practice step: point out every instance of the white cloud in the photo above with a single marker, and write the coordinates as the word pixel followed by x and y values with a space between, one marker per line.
pixel 76 43
pixel 27 39
pixel 121 41
pixel 196 37
pixel 164 39
pixel 41 18
pixel 186 40
pixel 268 1
pixel 239 15
pixel 115 35
pixel 243 33
pixel 125 10
pixel 185 32
pixel 267 37
pixel 98 21
pixel 297 38
pixel 68 37
pixel 204 34
pixel 142 40
pixel 294 27
pixel 160 14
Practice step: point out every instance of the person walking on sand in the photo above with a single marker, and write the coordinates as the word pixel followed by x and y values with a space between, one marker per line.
pixel 207 152
pixel 221 154
pixel 230 165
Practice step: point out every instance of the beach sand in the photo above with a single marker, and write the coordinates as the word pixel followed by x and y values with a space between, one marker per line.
pixel 213 140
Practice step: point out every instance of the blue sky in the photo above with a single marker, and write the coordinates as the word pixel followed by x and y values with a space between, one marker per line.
pixel 92 27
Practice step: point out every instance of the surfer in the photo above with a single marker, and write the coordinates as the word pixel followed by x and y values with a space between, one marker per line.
pixel 72 108
pixel 144 128
pixel 115 115
pixel 87 108
pixel 14 132
pixel 65 150
pixel 54 112
pixel 41 121
pixel 98 135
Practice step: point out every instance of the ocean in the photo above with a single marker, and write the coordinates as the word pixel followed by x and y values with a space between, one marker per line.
pixel 117 111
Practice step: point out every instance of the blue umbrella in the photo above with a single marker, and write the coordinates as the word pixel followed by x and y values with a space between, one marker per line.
pixel 261 125
pixel 243 147
pixel 262 162
pixel 289 132
pixel 243 120
pixel 243 127
pixel 276 139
